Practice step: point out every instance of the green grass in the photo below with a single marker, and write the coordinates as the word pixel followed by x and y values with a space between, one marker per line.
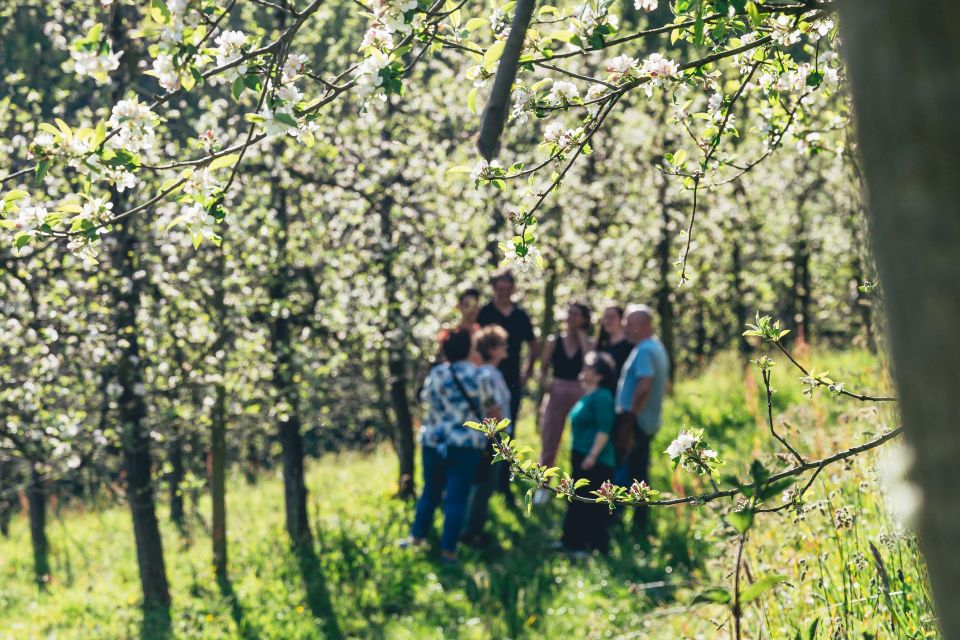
pixel 361 585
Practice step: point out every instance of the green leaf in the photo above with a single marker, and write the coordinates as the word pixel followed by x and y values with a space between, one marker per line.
pixel 472 100
pixel 41 170
pixel 224 161
pixel 286 119
pixel 475 23
pixel 714 595
pixel 237 89
pixel 494 52
pixel 741 520
pixel 698 27
pixel 754 14
pixel 21 240
pixel 760 587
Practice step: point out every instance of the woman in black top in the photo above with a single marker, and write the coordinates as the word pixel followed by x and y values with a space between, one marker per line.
pixel 563 355
pixel 612 338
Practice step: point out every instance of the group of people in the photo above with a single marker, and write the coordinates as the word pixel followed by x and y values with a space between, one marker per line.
pixel 481 373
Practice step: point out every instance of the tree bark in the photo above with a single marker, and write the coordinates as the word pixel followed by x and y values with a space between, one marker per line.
pixel 131 406
pixel 132 411
pixel 664 293
pixel 288 422
pixel 218 427
pixel 904 63
pixel 396 356
pixel 175 479
pixel 218 479
pixel 37 507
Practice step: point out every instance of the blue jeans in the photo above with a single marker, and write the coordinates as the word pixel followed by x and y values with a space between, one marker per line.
pixel 450 478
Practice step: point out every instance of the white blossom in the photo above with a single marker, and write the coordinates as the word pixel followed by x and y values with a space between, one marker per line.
pixel 645 5
pixel 621 65
pixel 595 92
pixel 135 122
pixel 658 69
pixel 784 32
pixel 293 66
pixel 166 72
pixel 563 91
pixel 230 49
pixel 681 444
pixel 96 64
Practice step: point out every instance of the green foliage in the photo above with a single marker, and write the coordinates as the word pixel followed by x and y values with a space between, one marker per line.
pixel 843 581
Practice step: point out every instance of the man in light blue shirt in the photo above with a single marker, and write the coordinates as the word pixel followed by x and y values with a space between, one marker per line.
pixel 640 391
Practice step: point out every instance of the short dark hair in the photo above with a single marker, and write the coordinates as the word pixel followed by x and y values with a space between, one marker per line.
pixel 471 292
pixel 502 274
pixel 605 366
pixel 457 346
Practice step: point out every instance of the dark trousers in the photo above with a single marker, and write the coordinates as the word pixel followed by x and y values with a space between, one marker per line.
pixel 502 475
pixel 449 478
pixel 585 525
pixel 478 506
pixel 638 462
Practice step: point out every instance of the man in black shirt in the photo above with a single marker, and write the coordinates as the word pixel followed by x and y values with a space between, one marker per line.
pixel 501 311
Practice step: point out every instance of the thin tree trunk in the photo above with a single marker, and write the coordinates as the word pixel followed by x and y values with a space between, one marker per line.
pixel 175 478
pixel 218 427
pixel 218 480
pixel 37 507
pixel 132 409
pixel 664 293
pixel 397 360
pixel 288 422
pixel 904 62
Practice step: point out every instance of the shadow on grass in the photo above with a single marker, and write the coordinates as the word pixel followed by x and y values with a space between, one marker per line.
pixel 318 596
pixel 156 623
pixel 246 630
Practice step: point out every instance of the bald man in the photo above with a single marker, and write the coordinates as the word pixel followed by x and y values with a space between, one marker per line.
pixel 640 392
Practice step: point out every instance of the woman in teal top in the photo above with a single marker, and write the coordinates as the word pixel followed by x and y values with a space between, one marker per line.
pixel 585 526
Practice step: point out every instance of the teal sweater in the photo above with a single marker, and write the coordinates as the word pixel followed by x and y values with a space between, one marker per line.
pixel 593 413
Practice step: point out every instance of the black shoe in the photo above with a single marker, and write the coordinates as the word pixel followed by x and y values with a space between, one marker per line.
pixel 480 540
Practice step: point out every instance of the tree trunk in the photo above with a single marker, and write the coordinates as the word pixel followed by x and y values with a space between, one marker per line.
pixel 37 507
pixel 396 356
pixel 131 407
pixel 175 478
pixel 218 426
pixel 218 480
pixel 287 396
pixel 664 293
pixel 132 410
pixel 904 62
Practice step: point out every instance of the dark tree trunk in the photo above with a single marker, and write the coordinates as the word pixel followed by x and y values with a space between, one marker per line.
pixel 175 479
pixel 218 427
pixel 288 423
pixel 396 334
pixel 132 411
pixel 664 293
pixel 739 307
pixel 904 62
pixel 252 456
pixel 37 507
pixel 218 480
pixel 131 407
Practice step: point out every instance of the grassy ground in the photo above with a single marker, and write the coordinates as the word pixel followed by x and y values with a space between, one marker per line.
pixel 858 576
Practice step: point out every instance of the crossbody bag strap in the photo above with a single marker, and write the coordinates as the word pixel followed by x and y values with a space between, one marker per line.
pixel 473 405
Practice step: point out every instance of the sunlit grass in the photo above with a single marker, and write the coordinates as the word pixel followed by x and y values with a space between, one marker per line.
pixel 363 586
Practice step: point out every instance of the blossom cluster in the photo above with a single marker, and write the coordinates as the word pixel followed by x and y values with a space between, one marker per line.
pixel 688 450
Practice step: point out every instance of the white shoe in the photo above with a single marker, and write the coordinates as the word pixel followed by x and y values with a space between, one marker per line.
pixel 542 496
